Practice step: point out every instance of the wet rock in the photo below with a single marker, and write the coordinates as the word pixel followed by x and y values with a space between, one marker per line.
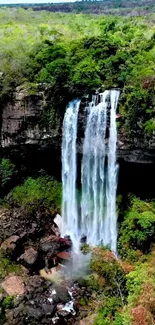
pixel 68 240
pixel 13 285
pixel 50 245
pixel 83 239
pixel 63 313
pixel 55 298
pixel 66 312
pixel 48 309
pixel 63 256
pixel 62 293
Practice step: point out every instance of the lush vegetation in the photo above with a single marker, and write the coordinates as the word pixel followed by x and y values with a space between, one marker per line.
pixel 7 267
pixel 41 193
pixel 137 231
pixel 125 285
pixel 72 55
pixel 7 172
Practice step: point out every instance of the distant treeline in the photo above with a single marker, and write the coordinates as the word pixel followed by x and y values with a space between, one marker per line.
pixel 117 7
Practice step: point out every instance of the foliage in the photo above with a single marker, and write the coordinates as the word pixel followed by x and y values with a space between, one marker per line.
pixel 137 231
pixel 127 290
pixel 6 171
pixel 111 275
pixel 75 54
pixel 7 302
pixel 150 126
pixel 141 290
pixel 106 315
pixel 113 7
pixel 43 192
pixel 7 267
pixel 111 279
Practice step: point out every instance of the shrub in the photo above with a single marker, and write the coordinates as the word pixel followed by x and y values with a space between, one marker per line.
pixel 7 266
pixel 137 231
pixel 43 192
pixel 6 171
pixel 7 302
pixel 105 264
pixel 106 314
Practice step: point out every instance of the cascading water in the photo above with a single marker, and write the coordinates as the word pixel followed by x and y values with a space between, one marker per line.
pixel 110 224
pixel 98 220
pixel 99 184
pixel 69 165
pixel 93 171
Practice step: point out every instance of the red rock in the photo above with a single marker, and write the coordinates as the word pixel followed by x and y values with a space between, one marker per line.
pixel 64 255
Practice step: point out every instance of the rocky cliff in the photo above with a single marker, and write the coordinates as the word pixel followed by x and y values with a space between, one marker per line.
pixel 23 119
pixel 31 130
pixel 29 123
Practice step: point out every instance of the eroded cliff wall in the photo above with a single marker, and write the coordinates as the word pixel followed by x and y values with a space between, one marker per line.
pixel 31 132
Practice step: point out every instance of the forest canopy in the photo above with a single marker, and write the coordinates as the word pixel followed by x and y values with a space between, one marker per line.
pixel 76 54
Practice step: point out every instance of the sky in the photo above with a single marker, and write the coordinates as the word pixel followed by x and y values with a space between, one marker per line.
pixel 30 1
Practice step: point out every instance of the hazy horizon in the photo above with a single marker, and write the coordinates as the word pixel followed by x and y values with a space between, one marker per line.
pixel 32 1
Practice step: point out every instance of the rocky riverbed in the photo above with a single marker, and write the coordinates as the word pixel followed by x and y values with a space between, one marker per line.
pixel 37 283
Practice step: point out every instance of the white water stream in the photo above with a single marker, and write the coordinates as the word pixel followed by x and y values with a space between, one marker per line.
pixel 93 171
pixel 98 219
pixel 69 171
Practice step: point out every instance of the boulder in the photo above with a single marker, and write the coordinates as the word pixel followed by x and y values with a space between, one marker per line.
pixel 48 309
pixel 62 293
pixel 29 258
pixel 9 246
pixel 64 257
pixel 13 285
pixel 68 241
pixel 50 245
pixel 34 313
pixel 35 281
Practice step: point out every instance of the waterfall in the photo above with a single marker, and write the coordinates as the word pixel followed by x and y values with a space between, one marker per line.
pixel 99 182
pixel 98 219
pixel 69 165
pixel 110 227
pixel 93 171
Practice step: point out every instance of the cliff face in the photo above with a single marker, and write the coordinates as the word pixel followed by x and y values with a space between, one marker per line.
pixel 25 124
pixel 22 120
pixel 136 151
